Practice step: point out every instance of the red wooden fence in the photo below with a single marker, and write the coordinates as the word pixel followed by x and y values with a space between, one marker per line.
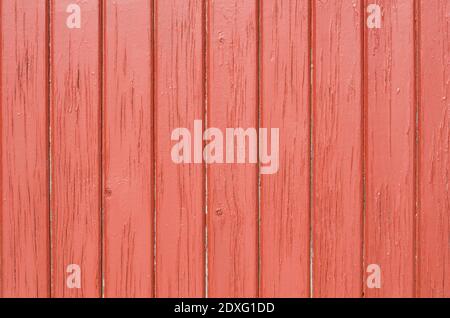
pixel 87 178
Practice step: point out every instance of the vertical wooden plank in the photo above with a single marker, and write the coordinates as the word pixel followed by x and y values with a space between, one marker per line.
pixel 232 188
pixel 434 115
pixel 128 149
pixel 180 221
pixel 337 146
pixel 24 213
pixel 390 139
pixel 75 148
pixel 284 100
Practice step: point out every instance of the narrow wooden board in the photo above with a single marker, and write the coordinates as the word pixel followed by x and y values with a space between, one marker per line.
pixel 337 149
pixel 232 188
pixel 24 208
pixel 75 149
pixel 390 146
pixel 433 262
pixel 285 105
pixel 180 189
pixel 128 149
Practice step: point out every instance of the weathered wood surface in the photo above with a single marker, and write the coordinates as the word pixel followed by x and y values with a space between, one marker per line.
pixel 180 189
pixel 285 104
pixel 390 134
pixel 232 74
pixel 128 161
pixel 87 175
pixel 24 217
pixel 337 110
pixel 433 228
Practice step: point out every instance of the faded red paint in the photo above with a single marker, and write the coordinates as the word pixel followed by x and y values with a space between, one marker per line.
pixel 433 228
pixel 75 115
pixel 128 149
pixel 180 190
pixel 390 107
pixel 337 149
pixel 284 100
pixel 24 217
pixel 232 190
pixel 87 178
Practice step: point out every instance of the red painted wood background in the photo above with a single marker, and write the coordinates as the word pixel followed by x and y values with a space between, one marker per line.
pixel 87 178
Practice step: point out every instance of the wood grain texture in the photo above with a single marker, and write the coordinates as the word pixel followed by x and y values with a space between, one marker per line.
pixel 337 149
pixel 86 169
pixel 390 146
pixel 180 218
pixel 434 163
pixel 128 149
pixel 232 188
pixel 75 149
pixel 24 213
pixel 284 100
